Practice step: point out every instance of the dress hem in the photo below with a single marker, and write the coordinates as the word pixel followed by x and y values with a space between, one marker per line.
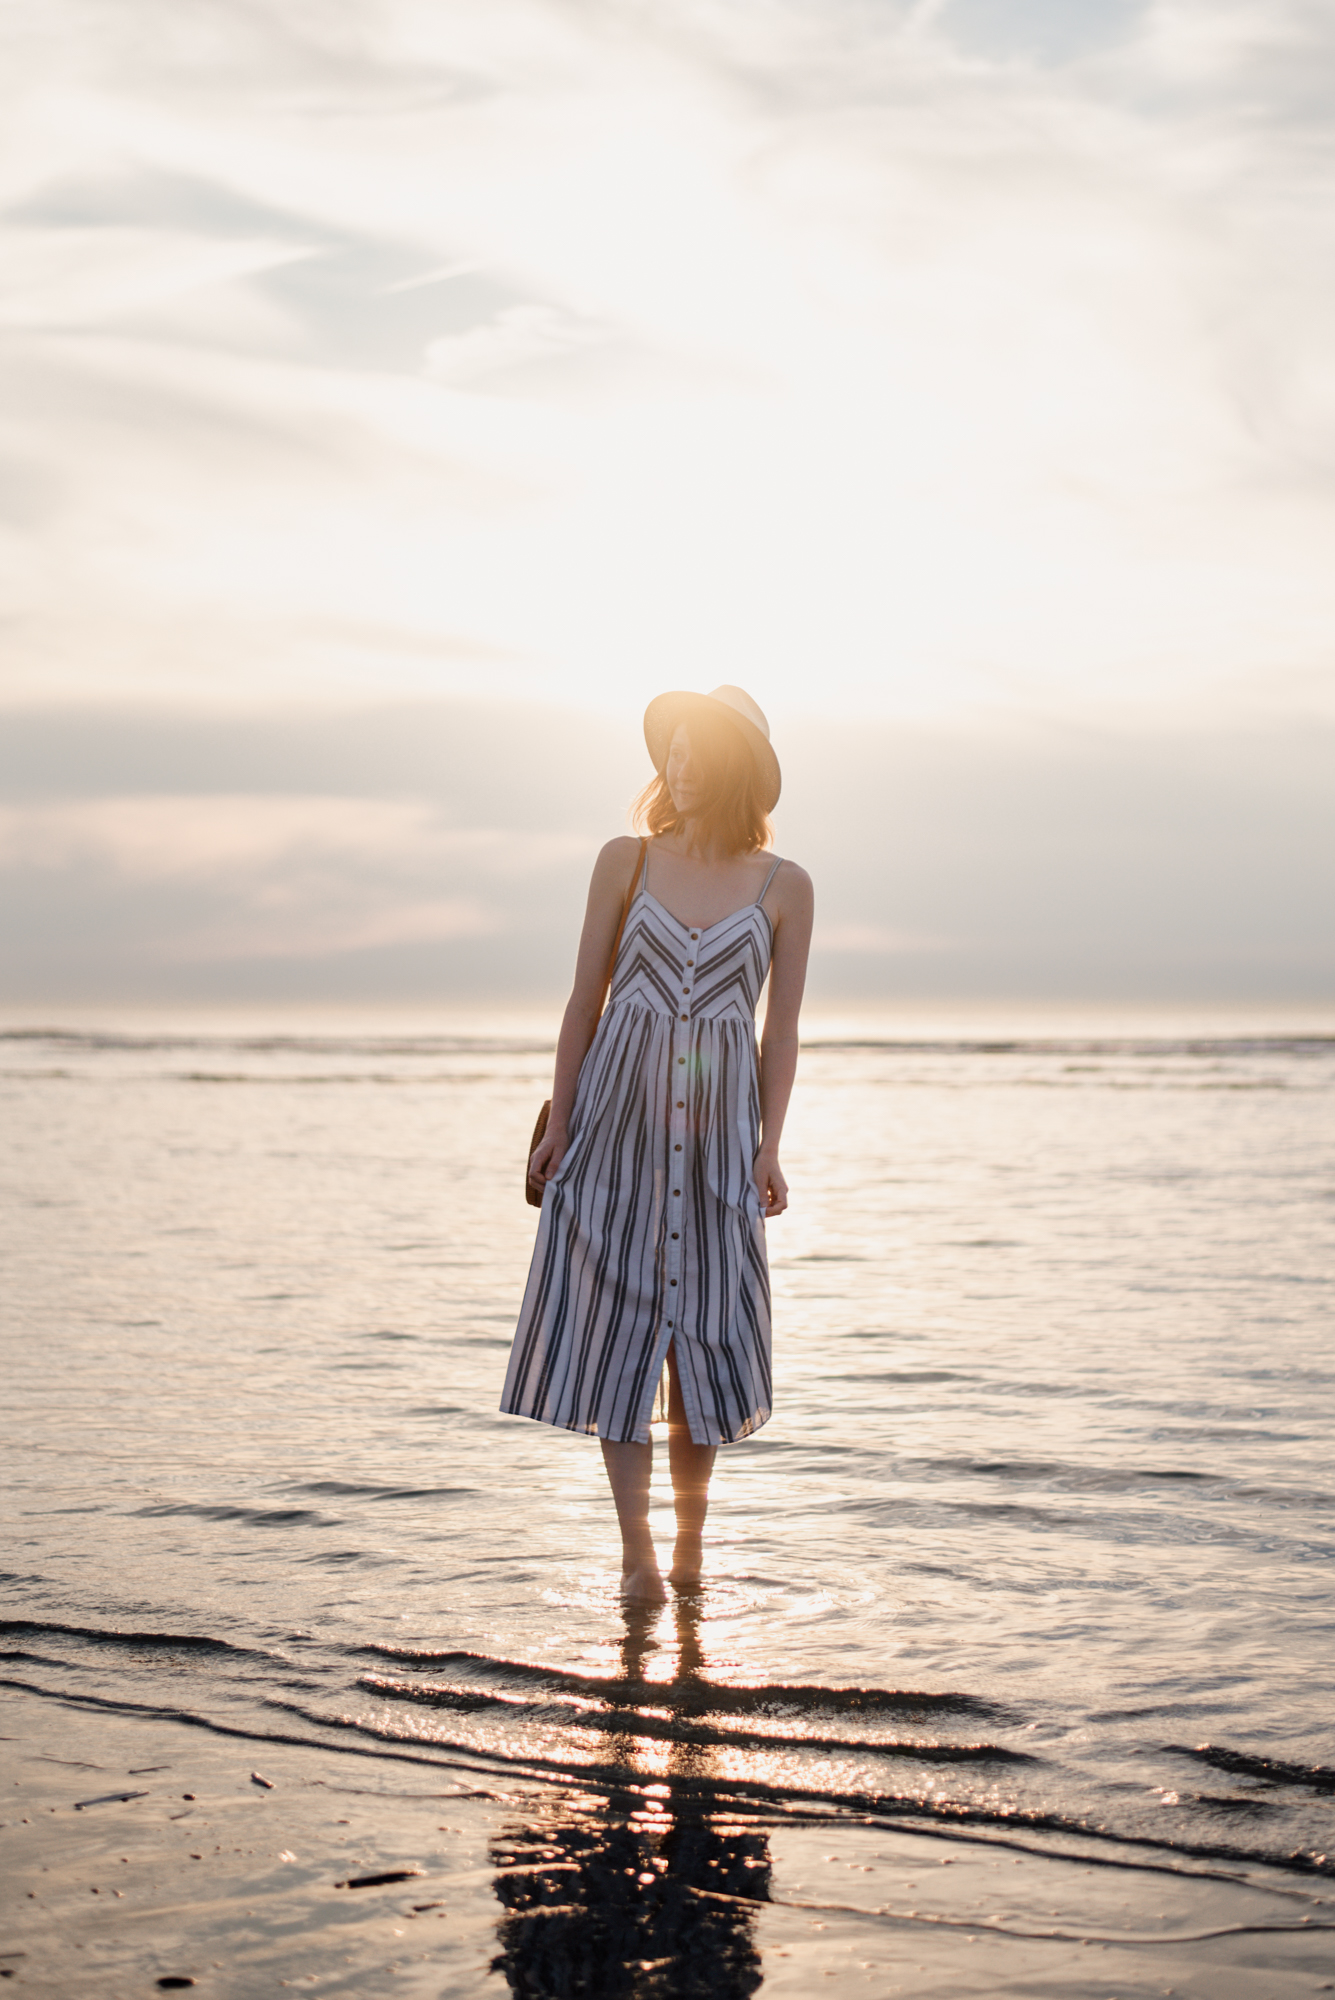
pixel 592 1430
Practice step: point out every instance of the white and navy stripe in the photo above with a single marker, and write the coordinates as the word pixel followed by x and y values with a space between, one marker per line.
pixel 652 1233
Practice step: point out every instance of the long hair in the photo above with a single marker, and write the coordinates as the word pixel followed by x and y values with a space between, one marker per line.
pixel 731 815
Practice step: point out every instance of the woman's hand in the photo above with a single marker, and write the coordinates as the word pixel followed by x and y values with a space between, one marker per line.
pixel 770 1183
pixel 547 1156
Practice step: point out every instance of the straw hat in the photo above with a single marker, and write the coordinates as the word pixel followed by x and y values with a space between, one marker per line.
pixel 665 711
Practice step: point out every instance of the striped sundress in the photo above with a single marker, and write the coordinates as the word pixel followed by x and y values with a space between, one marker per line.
pixel 652 1234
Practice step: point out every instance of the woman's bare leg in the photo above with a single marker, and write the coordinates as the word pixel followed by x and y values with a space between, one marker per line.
pixel 629 1467
pixel 691 1465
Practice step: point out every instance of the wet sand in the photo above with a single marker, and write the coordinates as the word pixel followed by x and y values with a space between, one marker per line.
pixel 206 1876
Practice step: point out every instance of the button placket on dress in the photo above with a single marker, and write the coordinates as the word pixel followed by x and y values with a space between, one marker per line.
pixel 679 1099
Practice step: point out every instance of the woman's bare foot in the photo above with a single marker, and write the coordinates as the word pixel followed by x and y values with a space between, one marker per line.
pixel 643 1584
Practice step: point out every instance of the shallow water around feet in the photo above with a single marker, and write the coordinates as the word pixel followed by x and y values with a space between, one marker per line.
pixel 1041 1536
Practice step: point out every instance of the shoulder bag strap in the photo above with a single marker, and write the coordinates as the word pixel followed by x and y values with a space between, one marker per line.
pixel 625 912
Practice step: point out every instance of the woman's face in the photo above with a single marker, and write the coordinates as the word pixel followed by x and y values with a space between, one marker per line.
pixel 682 772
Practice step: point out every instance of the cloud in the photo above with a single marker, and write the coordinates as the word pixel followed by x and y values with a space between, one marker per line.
pixel 959 356
pixel 165 838
pixel 441 852
pixel 517 335
pixel 331 934
pixel 271 877
pixel 872 940
pixel 1241 48
pixel 87 277
pixel 1049 31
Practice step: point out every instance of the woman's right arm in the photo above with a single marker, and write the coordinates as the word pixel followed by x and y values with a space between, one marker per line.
pixel 607 893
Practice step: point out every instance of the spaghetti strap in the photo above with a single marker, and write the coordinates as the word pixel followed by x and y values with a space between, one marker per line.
pixel 778 864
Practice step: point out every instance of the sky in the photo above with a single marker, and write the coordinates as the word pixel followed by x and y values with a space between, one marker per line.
pixel 397 395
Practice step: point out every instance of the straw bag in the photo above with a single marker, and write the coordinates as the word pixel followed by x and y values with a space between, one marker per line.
pixel 533 1193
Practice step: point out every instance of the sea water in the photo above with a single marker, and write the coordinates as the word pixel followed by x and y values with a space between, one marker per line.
pixel 1041 1535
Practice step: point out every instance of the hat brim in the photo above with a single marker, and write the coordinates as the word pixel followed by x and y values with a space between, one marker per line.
pixel 665 711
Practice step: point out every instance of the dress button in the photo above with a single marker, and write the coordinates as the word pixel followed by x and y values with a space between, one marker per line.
pixel 675 1234
pixel 681 1104
pixel 694 935
pixel 681 1058
pixel 683 1017
pixel 676 1149
pixel 686 989
pixel 676 1190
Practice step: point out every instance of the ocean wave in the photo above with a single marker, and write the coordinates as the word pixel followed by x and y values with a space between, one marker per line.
pixel 627 1710
pixel 732 1793
pixel 693 1695
pixel 1307 1046
pixel 108 1040
pixel 1274 1770
pixel 621 1718
pixel 114 1636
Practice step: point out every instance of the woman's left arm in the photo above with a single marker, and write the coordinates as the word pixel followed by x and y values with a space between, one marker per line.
pixel 794 906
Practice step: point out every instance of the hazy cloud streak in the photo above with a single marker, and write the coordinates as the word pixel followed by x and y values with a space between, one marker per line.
pixel 353 860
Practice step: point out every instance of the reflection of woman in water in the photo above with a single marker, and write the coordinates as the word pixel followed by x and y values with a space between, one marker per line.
pixel 660 1162
pixel 652 1893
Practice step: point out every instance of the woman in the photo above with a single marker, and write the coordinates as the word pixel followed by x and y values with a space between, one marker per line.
pixel 660 1161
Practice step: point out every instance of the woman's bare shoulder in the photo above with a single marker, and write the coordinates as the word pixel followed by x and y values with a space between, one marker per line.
pixel 793 894
pixel 790 877
pixel 616 860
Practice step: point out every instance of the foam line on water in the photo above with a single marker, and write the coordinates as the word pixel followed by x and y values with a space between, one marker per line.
pixel 698 1696
pixel 627 1719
